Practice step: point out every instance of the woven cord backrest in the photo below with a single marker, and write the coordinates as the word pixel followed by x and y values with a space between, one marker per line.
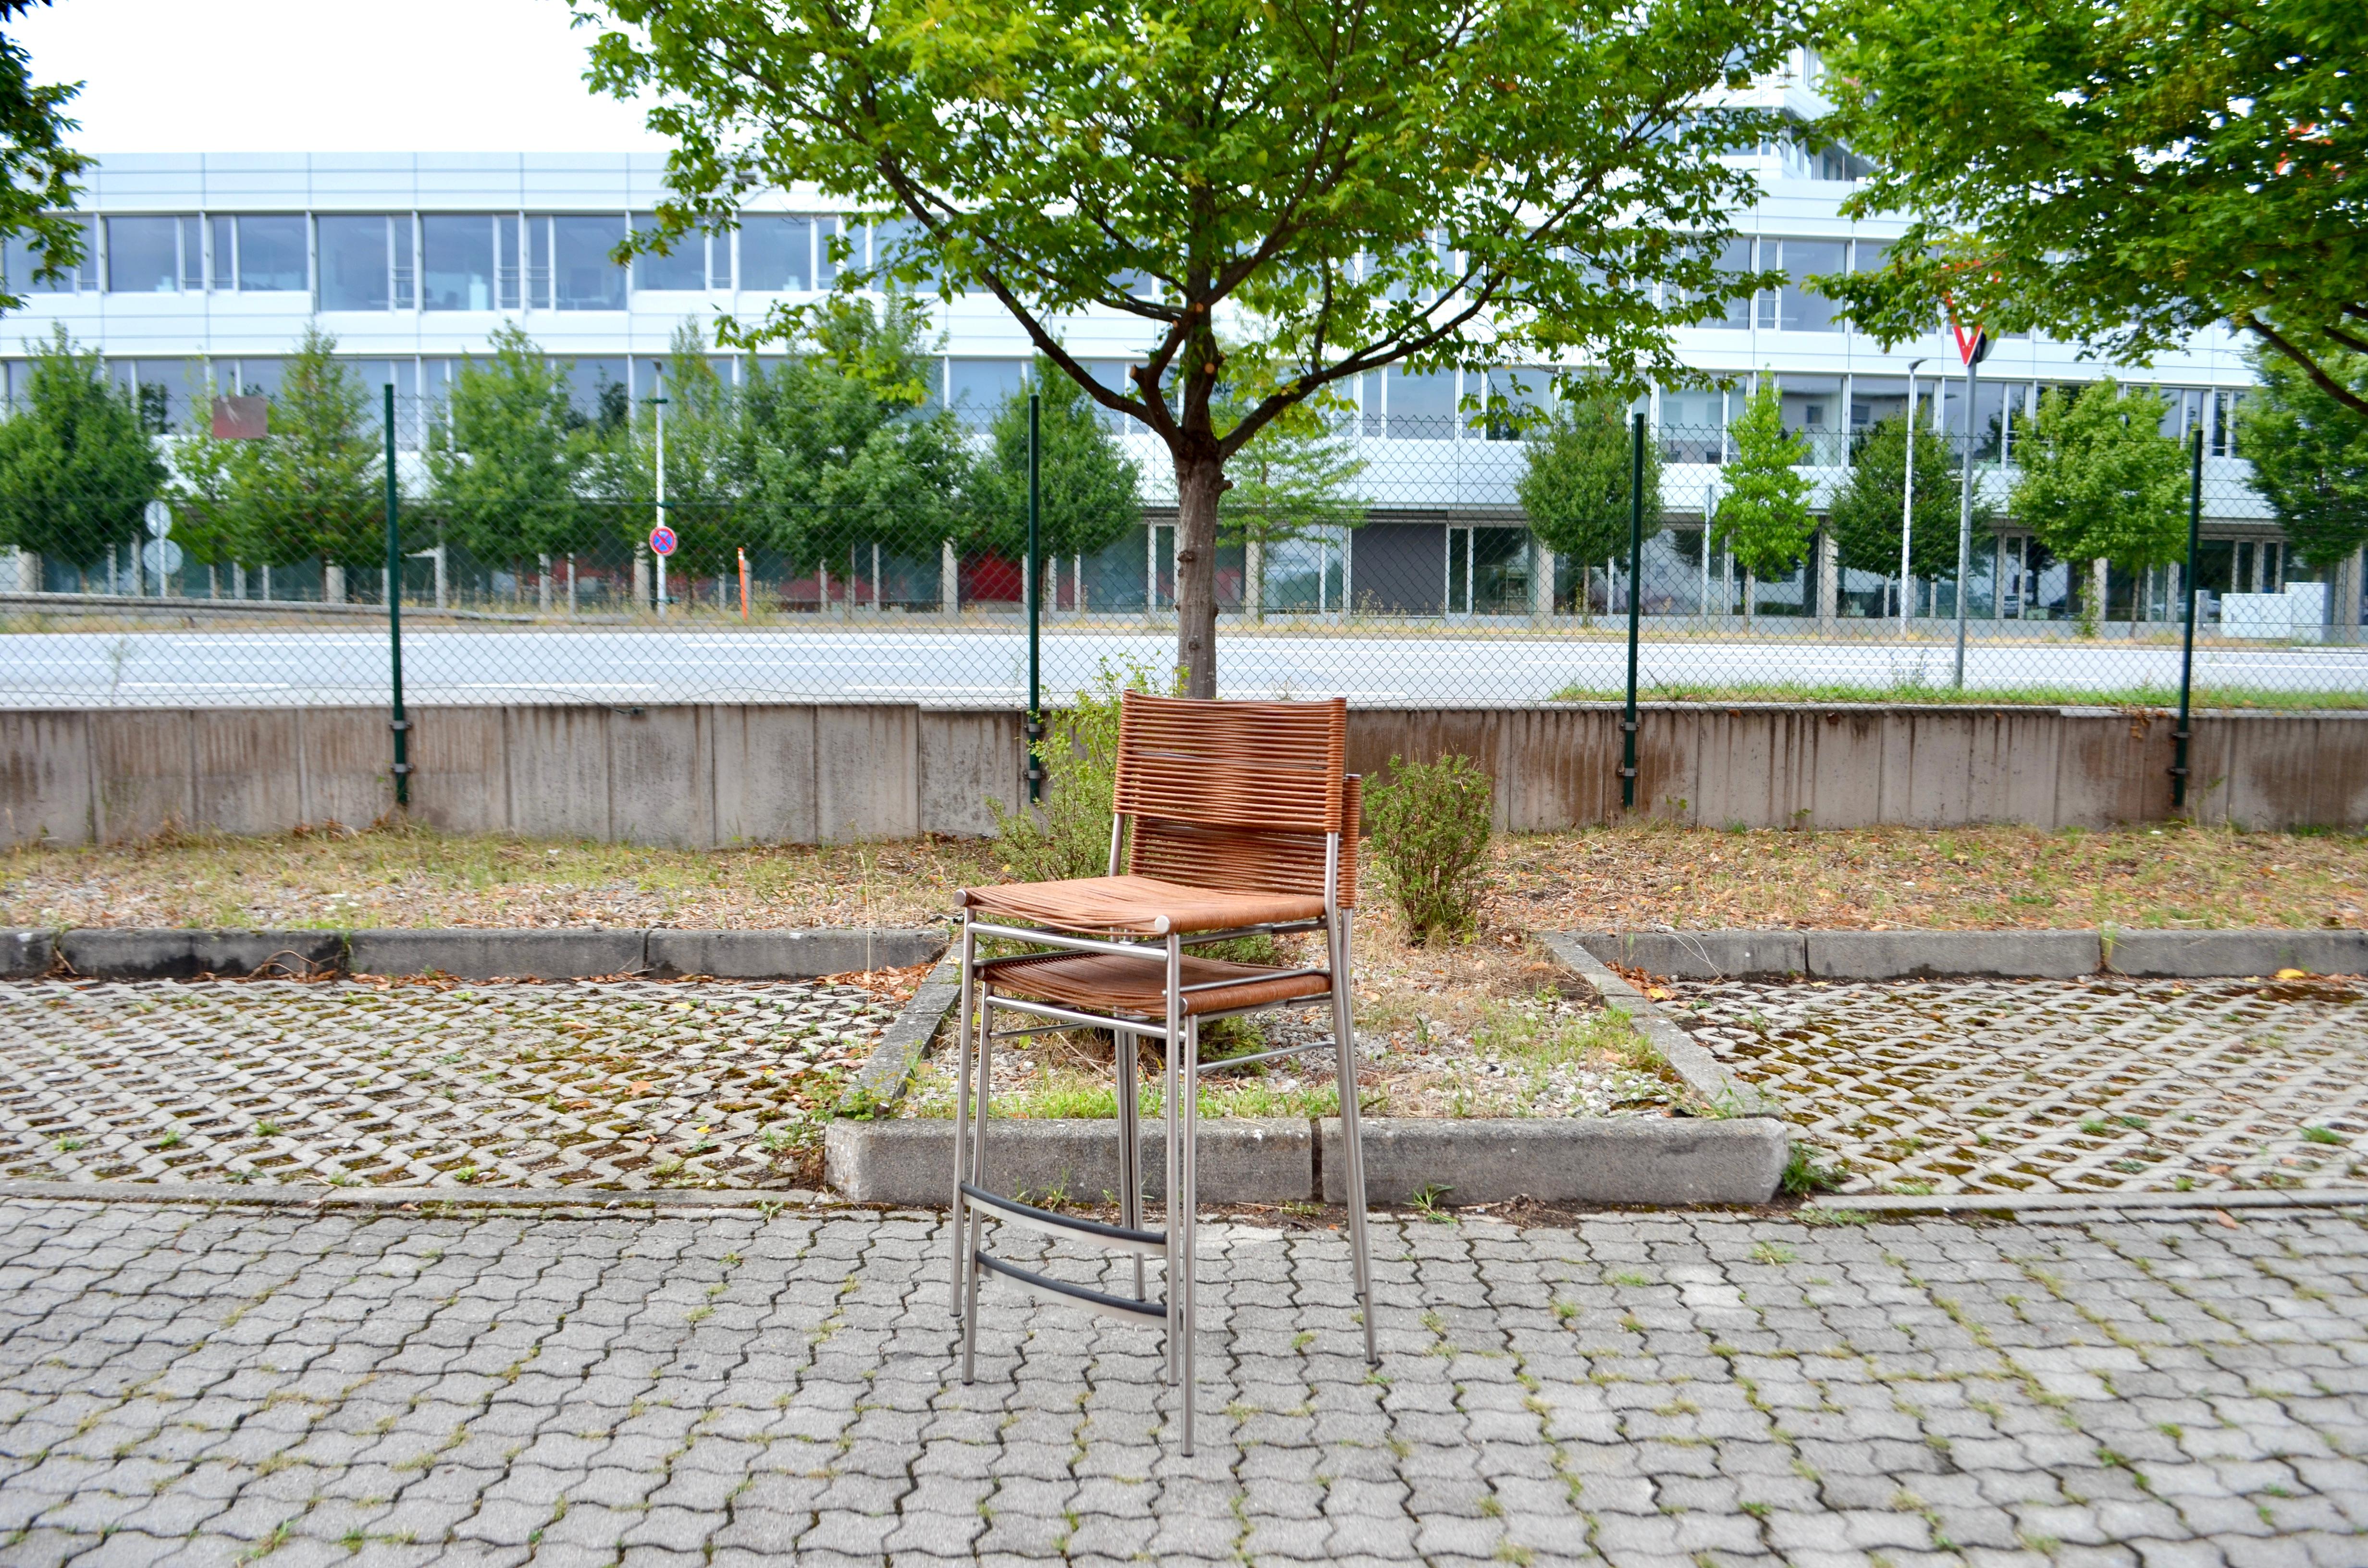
pixel 1233 795
pixel 1352 816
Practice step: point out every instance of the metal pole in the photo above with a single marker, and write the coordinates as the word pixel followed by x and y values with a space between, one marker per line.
pixel 1965 514
pixel 660 401
pixel 2179 737
pixel 1907 504
pixel 400 723
pixel 1636 605
pixel 1035 606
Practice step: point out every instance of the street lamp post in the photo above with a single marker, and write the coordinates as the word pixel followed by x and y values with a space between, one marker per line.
pixel 1907 504
pixel 659 403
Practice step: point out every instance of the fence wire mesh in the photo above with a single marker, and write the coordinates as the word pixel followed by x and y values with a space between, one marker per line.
pixel 1439 558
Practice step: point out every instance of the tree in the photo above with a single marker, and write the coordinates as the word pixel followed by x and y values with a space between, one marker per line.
pixel 1579 481
pixel 839 450
pixel 2101 482
pixel 1088 493
pixel 508 463
pixel 1763 514
pixel 1295 480
pixel 1864 518
pixel 2310 457
pixel 37 168
pixel 2119 172
pixel 77 468
pixel 313 487
pixel 1333 187
pixel 213 493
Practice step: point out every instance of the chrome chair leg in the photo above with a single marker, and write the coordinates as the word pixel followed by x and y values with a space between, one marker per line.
pixel 1130 1142
pixel 1352 1144
pixel 1171 1068
pixel 962 1121
pixel 1183 1261
pixel 970 1270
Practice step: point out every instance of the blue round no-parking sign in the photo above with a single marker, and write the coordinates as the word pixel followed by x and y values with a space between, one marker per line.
pixel 662 540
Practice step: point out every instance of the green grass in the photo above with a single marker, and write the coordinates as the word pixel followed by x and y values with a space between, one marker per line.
pixel 1815 693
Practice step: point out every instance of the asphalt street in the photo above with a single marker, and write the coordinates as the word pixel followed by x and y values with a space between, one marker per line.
pixel 988 668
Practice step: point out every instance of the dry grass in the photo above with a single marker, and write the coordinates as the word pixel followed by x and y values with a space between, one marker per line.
pixel 1591 879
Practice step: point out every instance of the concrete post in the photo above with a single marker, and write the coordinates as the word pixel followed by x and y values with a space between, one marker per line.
pixel 332 584
pixel 641 579
pixel 1542 580
pixel 948 580
pixel 1828 578
pixel 2097 592
pixel 2345 598
pixel 1254 580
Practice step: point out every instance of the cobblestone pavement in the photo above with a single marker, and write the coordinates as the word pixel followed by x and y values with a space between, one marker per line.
pixel 2078 1085
pixel 218 1387
pixel 631 1084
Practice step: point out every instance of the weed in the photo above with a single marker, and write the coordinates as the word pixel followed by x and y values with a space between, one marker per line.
pixel 1805 1175
pixel 2322 1135
pixel 1774 1252
pixel 1429 843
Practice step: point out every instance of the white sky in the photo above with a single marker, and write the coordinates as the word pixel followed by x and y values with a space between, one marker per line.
pixel 327 76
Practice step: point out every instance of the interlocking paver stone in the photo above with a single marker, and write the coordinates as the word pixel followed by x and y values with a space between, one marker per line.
pixel 2093 1085
pixel 1914 1393
pixel 615 1084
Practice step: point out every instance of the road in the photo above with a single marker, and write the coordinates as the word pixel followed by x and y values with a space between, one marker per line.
pixel 211 1386
pixel 988 668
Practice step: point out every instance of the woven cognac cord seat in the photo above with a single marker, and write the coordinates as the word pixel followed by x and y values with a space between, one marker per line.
pixel 1233 819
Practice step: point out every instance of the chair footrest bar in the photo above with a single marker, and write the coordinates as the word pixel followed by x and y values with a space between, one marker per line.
pixel 1227 1063
pixel 1127 1307
pixel 1117 1238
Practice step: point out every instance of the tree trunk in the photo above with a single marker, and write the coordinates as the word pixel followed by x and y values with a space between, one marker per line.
pixel 1199 480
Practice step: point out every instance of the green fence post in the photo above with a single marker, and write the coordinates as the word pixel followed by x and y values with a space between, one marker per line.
pixel 1636 607
pixel 2179 737
pixel 400 724
pixel 1035 610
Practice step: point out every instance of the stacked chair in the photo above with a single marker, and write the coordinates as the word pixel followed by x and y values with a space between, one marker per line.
pixel 1233 819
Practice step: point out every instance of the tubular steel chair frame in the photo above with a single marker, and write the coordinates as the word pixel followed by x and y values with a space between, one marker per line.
pixel 1232 822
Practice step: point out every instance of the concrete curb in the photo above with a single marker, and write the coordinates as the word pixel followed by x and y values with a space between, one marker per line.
pixel 463 952
pixel 295 1196
pixel 2033 1202
pixel 2015 955
pixel 1686 1056
pixel 1593 1160
pixel 889 1068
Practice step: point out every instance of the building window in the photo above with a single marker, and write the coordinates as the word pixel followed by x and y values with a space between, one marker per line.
pixel 582 275
pixel 1421 406
pixel 457 261
pixel 357 262
pixel 271 253
pixel 778 256
pixel 143 255
pixel 23 260
pixel 684 268
pixel 1800 309
pixel 979 386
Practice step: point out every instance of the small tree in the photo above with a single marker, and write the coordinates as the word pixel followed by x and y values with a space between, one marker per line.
pixel 1764 518
pixel 838 449
pixel 2101 482
pixel 1577 485
pixel 312 488
pixel 508 463
pixel 1295 480
pixel 213 493
pixel 1088 492
pixel 2309 456
pixel 1866 515
pixel 77 467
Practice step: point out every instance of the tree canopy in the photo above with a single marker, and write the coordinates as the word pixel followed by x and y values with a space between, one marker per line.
pixel 2116 172
pixel 1865 513
pixel 37 168
pixel 76 466
pixel 507 462
pixel 1763 511
pixel 2101 482
pixel 1461 180
pixel 1577 487
pixel 1088 493
pixel 2309 456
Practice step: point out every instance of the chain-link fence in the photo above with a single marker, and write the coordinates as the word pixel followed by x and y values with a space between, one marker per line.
pixel 1452 558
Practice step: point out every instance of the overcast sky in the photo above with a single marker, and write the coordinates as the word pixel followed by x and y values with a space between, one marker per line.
pixel 326 77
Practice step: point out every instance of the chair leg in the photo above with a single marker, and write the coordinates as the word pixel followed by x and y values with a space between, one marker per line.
pixel 1344 1031
pixel 962 1121
pixel 970 1270
pixel 1171 1056
pixel 1130 1143
pixel 1186 1261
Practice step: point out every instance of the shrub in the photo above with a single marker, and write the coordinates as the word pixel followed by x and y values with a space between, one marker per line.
pixel 1068 834
pixel 1429 840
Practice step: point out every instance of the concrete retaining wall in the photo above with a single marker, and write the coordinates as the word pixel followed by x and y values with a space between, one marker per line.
pixel 705 774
